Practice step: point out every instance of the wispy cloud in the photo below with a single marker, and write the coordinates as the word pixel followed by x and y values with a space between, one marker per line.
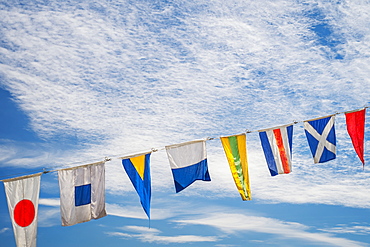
pixel 152 75
pixel 140 229
pixel 128 212
pixel 152 235
pixel 356 228
pixel 49 216
pixel 110 78
pixel 236 223
pixel 49 212
pixel 49 202
pixel 5 229
pixel 162 209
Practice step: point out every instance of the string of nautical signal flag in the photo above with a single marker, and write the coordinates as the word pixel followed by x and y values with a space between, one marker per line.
pixel 82 188
pixel 247 131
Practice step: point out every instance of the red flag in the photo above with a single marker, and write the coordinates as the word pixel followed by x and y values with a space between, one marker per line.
pixel 356 130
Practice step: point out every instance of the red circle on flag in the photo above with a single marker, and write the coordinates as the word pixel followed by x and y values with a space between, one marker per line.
pixel 24 213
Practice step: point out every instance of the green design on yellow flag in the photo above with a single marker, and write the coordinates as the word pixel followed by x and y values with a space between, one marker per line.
pixel 236 152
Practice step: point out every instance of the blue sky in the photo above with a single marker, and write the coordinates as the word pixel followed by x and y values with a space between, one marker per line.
pixel 83 80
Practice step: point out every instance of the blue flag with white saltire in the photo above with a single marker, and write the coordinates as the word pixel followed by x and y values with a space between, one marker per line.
pixel 188 163
pixel 138 170
pixel 321 138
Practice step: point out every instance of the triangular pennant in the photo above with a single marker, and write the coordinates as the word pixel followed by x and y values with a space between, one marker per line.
pixel 138 170
pixel 235 148
pixel 356 130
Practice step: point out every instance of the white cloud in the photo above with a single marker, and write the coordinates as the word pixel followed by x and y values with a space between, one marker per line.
pixel 140 229
pixel 148 75
pixel 236 224
pixel 163 207
pixel 5 229
pixel 117 85
pixel 128 212
pixel 136 212
pixel 353 229
pixel 233 223
pixel 231 245
pixel 48 217
pixel 154 237
pixel 6 152
pixel 49 202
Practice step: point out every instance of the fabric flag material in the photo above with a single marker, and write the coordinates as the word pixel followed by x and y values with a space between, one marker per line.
pixel 22 194
pixel 356 129
pixel 82 193
pixel 277 147
pixel 235 148
pixel 188 162
pixel 138 170
pixel 321 138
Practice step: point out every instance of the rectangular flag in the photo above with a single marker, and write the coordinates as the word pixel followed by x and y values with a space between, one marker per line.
pixel 321 138
pixel 22 195
pixel 82 193
pixel 277 147
pixel 356 129
pixel 137 168
pixel 188 162
pixel 235 148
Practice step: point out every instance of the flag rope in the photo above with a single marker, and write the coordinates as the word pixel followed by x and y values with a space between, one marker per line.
pixel 45 170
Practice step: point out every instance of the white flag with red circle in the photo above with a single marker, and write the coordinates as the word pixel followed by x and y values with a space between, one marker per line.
pixel 22 194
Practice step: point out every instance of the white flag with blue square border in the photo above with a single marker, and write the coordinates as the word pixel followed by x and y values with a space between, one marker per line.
pixel 82 193
pixel 321 138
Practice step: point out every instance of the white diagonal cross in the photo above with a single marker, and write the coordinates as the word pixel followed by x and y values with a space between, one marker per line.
pixel 323 142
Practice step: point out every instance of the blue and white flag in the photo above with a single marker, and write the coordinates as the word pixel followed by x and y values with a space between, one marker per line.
pixel 82 193
pixel 321 138
pixel 188 162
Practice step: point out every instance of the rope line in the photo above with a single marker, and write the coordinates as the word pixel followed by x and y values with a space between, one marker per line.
pixel 106 159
